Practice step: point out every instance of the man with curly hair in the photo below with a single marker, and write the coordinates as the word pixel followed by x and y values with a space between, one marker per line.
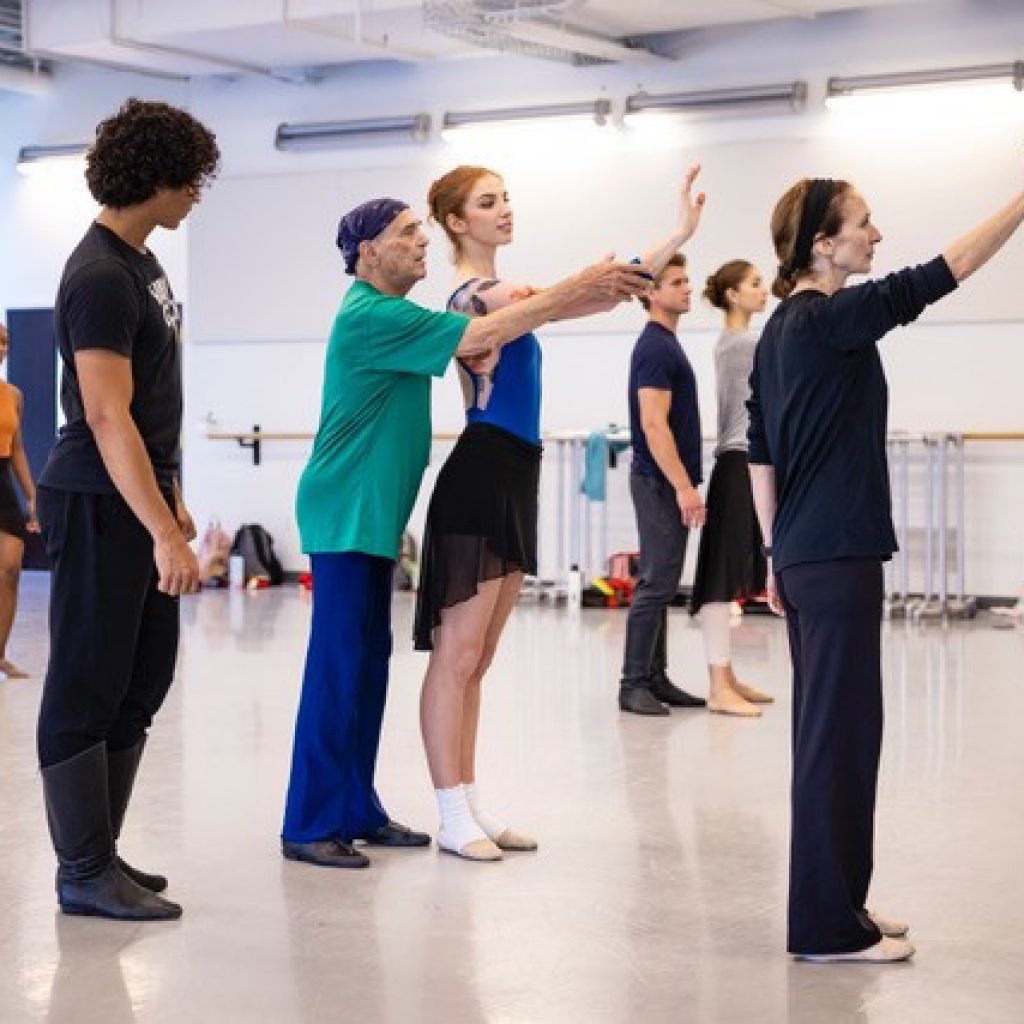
pixel 110 506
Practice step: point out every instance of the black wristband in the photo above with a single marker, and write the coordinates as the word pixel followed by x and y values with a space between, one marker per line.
pixel 766 551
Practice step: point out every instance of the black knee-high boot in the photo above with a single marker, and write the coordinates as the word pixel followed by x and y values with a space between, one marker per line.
pixel 122 766
pixel 89 879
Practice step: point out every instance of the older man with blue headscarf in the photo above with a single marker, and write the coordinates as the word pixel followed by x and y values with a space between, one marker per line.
pixel 355 498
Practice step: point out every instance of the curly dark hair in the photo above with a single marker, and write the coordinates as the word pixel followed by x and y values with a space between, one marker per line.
pixel 147 146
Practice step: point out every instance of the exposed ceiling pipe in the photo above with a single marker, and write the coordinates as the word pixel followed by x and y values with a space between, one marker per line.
pixel 357 37
pixel 228 64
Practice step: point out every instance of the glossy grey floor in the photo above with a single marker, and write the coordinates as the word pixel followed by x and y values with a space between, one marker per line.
pixel 659 890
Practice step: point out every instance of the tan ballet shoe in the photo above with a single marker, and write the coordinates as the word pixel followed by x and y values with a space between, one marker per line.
pixel 726 701
pixel 752 693
pixel 890 929
pixel 513 842
pixel 885 951
pixel 478 850
pixel 11 671
pixel 736 710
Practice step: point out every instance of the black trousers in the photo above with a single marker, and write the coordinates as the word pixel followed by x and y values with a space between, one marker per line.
pixel 662 550
pixel 113 635
pixel 834 617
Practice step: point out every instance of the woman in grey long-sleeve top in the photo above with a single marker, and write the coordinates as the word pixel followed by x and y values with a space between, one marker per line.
pixel 818 411
pixel 730 563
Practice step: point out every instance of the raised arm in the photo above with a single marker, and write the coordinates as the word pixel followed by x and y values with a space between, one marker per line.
pixel 656 259
pixel 606 282
pixel 978 246
pixel 690 208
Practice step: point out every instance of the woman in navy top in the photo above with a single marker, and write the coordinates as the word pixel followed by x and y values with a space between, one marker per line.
pixel 818 410
pixel 481 533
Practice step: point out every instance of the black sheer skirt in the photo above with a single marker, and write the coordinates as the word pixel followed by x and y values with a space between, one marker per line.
pixel 481 522
pixel 730 563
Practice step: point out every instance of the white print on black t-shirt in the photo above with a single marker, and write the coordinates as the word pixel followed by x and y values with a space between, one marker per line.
pixel 160 289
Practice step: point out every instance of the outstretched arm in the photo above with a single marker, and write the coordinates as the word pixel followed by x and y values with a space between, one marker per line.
pixel 977 247
pixel 605 282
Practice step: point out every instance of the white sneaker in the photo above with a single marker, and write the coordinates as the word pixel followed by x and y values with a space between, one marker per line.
pixel 886 951
pixel 890 929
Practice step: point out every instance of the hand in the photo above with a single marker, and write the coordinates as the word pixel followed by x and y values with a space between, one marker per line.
pixel 31 519
pixel 691 506
pixel 484 363
pixel 690 206
pixel 185 521
pixel 176 564
pixel 609 281
pixel 772 593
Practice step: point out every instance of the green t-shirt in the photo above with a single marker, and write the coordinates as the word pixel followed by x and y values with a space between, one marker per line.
pixel 358 488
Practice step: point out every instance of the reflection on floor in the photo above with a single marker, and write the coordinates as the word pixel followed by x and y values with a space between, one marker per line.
pixel 658 893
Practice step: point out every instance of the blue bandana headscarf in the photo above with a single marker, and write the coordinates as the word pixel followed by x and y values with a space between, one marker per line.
pixel 363 224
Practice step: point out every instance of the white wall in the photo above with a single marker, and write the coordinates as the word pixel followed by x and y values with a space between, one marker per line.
pixel 263 278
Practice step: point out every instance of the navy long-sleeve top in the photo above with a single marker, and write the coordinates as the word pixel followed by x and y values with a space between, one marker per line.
pixel 818 412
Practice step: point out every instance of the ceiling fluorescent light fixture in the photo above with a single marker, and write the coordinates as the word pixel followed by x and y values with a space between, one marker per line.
pixel 591 113
pixel 365 132
pixel 33 158
pixel 787 98
pixel 972 92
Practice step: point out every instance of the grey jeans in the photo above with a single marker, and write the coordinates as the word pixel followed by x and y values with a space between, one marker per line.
pixel 662 550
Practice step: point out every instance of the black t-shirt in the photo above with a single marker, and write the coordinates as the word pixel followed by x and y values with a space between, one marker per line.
pixel 114 297
pixel 818 411
pixel 660 362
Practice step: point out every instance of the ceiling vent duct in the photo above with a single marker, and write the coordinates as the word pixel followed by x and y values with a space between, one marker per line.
pixel 528 28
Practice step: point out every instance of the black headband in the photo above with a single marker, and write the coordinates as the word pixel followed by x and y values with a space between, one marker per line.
pixel 819 196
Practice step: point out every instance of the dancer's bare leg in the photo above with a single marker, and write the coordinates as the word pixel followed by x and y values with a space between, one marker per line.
pixel 494 826
pixel 11 551
pixel 458 647
pixel 511 585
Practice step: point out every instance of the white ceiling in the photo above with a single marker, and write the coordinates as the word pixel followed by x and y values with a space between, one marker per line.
pixel 197 37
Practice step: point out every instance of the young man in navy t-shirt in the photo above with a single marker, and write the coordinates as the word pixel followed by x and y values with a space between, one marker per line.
pixel 665 425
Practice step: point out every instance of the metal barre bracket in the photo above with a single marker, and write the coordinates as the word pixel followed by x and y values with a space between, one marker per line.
pixel 254 444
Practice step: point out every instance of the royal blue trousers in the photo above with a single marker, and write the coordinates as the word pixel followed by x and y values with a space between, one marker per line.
pixel 344 688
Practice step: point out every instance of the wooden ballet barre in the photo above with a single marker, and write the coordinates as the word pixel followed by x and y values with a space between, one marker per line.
pixel 253 439
pixel 993 435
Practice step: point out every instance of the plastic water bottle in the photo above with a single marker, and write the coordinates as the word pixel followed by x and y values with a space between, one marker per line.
pixel 574 587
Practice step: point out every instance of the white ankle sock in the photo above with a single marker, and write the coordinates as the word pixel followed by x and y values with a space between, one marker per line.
pixel 458 825
pixel 494 827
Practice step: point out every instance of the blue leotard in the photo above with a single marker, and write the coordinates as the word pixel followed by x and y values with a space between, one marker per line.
pixel 510 398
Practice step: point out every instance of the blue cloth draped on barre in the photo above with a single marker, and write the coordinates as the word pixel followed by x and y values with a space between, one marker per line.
pixel 601 451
